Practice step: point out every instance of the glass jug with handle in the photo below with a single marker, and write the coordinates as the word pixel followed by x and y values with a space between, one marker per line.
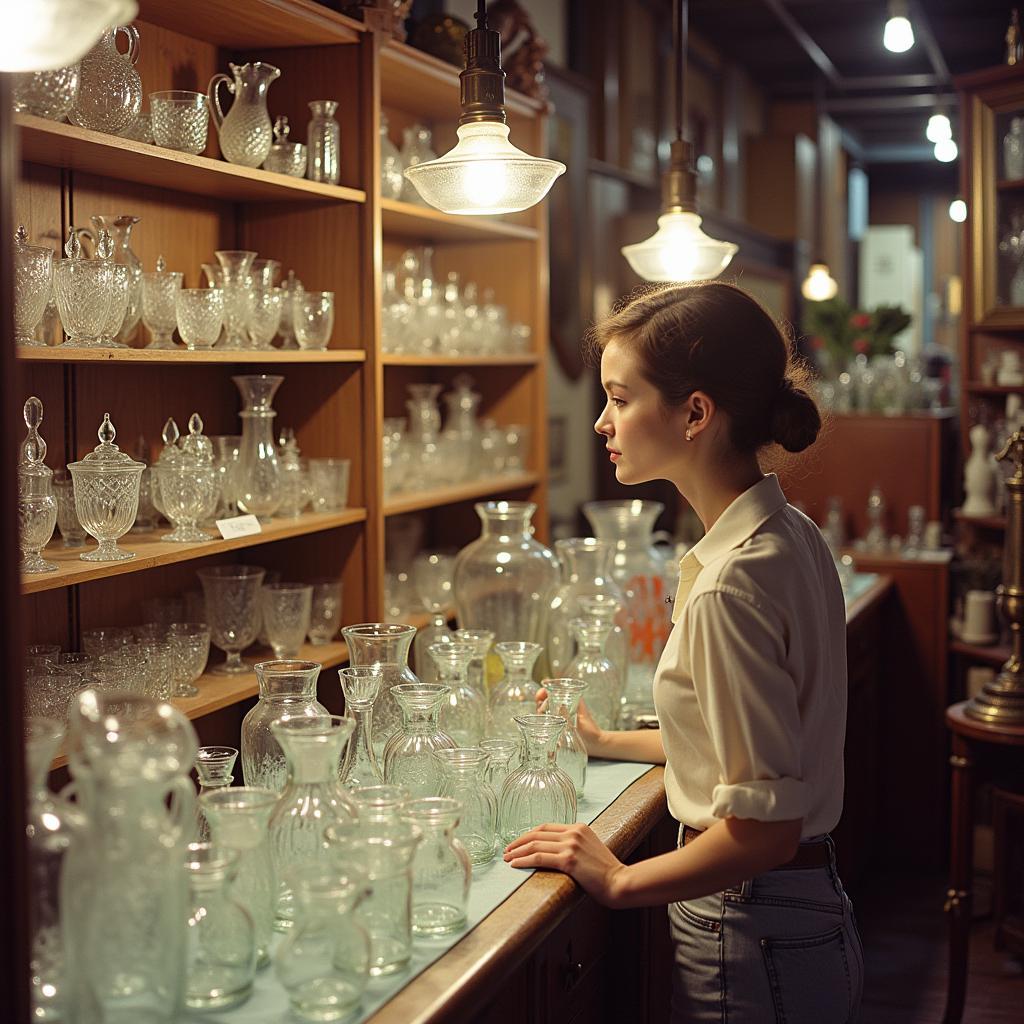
pixel 245 132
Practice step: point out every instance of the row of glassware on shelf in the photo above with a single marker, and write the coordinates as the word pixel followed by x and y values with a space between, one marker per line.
pixel 893 385
pixel 100 301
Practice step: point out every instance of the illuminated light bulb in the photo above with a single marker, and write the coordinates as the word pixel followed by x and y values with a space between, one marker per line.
pixel 946 151
pixel 47 34
pixel 819 285
pixel 958 211
pixel 899 35
pixel 484 174
pixel 938 128
pixel 679 251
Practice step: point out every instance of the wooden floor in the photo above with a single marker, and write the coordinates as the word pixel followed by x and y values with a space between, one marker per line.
pixel 904 932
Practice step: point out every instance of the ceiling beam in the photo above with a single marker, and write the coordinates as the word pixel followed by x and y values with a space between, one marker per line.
pixel 923 31
pixel 817 55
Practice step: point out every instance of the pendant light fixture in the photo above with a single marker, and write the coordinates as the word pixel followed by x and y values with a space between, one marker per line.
pixel 898 36
pixel 679 250
pixel 819 285
pixel 484 173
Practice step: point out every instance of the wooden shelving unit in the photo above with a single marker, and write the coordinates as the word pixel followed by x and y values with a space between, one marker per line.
pixel 994 655
pixel 461 492
pixel 513 359
pixel 982 522
pixel 428 225
pixel 182 357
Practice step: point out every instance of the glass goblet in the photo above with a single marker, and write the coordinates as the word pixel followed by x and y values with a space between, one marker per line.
pixel 286 614
pixel 325 613
pixel 190 644
pixel 33 279
pixel 232 610
pixel 265 316
pixel 200 314
pixel 313 318
pixel 159 304
pixel 432 576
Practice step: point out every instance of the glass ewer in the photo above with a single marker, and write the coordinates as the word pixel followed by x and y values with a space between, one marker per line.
pixel 592 666
pixel 119 228
pixel 233 275
pixel 106 494
pixel 465 780
pixel 516 693
pixel 124 889
pixel 214 766
pixel 258 480
pixel 361 687
pixel 323 149
pixel 287 689
pixel 232 595
pixel 324 963
pixel 221 944
pixel 239 817
pixel 391 177
pixel 311 800
pixel 441 868
pixel 244 132
pixel 538 791
pixel 37 506
pixel 571 753
pixel 383 644
pixel 51 826
pixel 464 711
pixel 638 569
pixel 33 280
pixel 109 88
pixel 504 579
pixel 409 753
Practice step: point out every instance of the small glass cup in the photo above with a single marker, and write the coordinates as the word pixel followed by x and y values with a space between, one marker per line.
pixel 265 316
pixel 329 481
pixel 120 293
pixel 190 647
pixel 200 315
pixel 325 614
pixel 313 318
pixel 71 530
pixel 159 305
pixel 286 612
pixel 180 120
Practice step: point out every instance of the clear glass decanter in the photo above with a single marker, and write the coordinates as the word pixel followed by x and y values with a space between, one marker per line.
pixel 294 492
pixel 287 690
pixel 311 800
pixel 238 817
pixel 37 506
pixel 258 478
pixel 361 687
pixel 593 667
pixel 465 780
pixel 441 868
pixel 571 753
pixel 504 579
pixel 464 712
pixel 515 694
pixel 462 430
pixel 214 766
pixel 323 150
pixel 409 754
pixel 391 166
pixel 538 791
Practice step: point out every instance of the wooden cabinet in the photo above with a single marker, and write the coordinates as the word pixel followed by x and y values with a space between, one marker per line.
pixel 335 237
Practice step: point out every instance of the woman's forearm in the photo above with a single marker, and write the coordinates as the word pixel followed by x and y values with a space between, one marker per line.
pixel 628 745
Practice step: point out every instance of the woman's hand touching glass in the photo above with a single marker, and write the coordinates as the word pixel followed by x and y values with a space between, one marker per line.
pixel 590 732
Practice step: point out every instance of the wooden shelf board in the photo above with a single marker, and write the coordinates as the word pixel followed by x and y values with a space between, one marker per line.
pixel 463 492
pixel 181 356
pixel 994 655
pixel 264 24
pixel 986 522
pixel 152 552
pixel 517 359
pixel 1010 185
pixel 423 222
pixel 66 145
pixel 218 691
pixel 993 389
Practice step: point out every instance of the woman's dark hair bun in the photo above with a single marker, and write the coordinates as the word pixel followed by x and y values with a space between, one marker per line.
pixel 795 418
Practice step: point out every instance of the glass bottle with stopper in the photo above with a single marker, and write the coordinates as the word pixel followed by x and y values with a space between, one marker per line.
pixel 37 506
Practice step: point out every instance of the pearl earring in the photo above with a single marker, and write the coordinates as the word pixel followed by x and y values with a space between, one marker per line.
pixel 689 436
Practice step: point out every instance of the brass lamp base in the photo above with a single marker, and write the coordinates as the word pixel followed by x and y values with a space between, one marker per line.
pixel 1000 702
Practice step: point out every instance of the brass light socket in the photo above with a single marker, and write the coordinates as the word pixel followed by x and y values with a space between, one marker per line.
pixel 482 83
pixel 679 183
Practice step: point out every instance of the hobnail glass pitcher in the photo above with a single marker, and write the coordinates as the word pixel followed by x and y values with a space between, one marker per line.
pixel 109 88
pixel 245 132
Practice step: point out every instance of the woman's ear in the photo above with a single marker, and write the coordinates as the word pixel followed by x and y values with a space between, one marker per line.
pixel 700 411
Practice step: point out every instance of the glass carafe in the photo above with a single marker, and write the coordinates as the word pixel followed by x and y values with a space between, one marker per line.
pixel 287 690
pixel 441 868
pixel 464 712
pixel 37 506
pixel 571 753
pixel 213 769
pixel 409 754
pixel 593 667
pixel 323 143
pixel 385 644
pixel 109 88
pixel 245 132
pixel 391 178
pixel 538 791
pixel 515 694
pixel 238 817
pixel 504 579
pixel 311 800
pixel 465 780
pixel 120 230
pixel 258 479
pixel 637 568
pixel 361 687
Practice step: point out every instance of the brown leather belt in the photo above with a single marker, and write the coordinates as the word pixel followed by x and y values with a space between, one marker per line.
pixel 808 855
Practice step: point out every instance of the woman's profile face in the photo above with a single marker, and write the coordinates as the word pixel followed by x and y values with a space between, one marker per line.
pixel 644 440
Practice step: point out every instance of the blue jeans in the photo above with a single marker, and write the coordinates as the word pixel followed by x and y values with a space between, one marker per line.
pixel 781 948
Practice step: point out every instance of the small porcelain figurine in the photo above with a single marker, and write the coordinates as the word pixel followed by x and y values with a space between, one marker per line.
pixel 1010 372
pixel 979 477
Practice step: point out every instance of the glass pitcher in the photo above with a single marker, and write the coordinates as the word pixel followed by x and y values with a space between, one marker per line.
pixel 245 132
pixel 109 88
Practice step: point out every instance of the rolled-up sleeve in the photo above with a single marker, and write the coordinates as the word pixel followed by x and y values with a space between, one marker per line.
pixel 749 704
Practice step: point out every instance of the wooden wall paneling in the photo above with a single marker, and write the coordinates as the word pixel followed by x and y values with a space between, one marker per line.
pixel 48 617
pixel 49 384
pixel 38 204
pixel 508 268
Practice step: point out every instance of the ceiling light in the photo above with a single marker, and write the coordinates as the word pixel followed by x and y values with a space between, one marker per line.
pixel 484 173
pixel 46 34
pixel 938 128
pixel 946 151
pixel 899 33
pixel 819 285
pixel 958 211
pixel 679 250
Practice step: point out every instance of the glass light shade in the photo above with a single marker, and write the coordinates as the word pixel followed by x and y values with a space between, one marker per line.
pixel 898 36
pixel 939 128
pixel 958 211
pixel 819 284
pixel 48 34
pixel 946 151
pixel 679 251
pixel 484 174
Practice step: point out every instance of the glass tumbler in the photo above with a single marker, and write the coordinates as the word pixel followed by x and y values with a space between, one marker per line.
pixel 70 528
pixel 329 481
pixel 465 780
pixel 160 304
pixel 265 316
pixel 286 611
pixel 33 278
pixel 180 120
pixel 232 605
pixel 199 313
pixel 325 614
pixel 190 649
pixel 313 318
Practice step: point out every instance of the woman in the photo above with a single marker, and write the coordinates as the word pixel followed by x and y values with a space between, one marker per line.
pixel 751 688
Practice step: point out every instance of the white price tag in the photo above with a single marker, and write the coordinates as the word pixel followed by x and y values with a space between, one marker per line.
pixel 238 526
